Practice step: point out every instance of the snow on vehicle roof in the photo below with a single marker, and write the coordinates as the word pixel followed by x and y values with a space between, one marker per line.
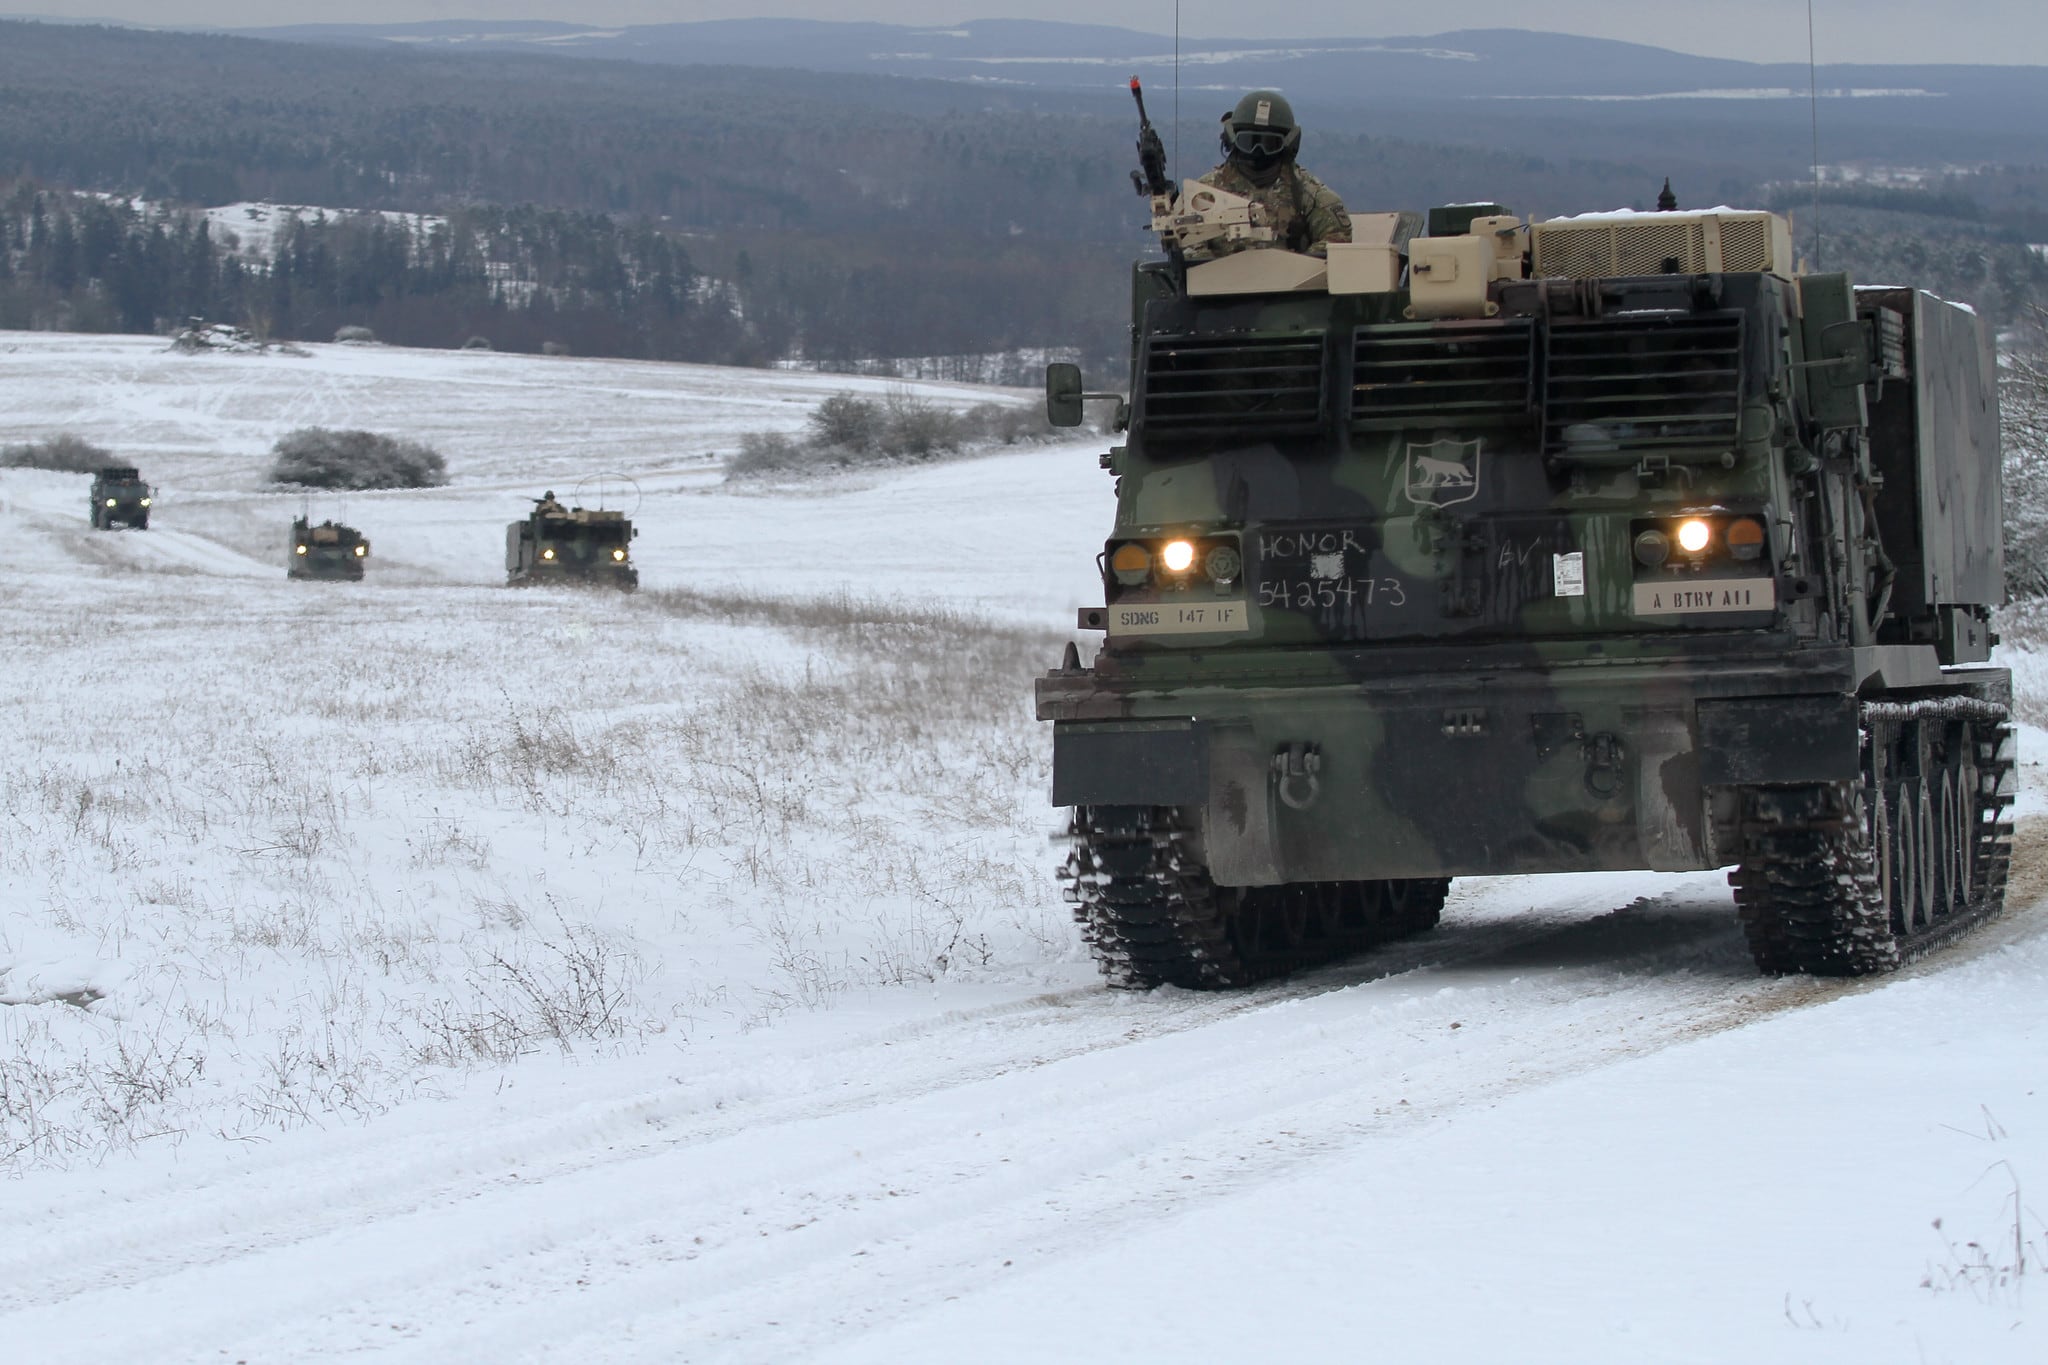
pixel 1615 215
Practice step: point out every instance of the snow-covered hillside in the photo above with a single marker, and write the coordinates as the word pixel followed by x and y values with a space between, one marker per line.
pixel 422 970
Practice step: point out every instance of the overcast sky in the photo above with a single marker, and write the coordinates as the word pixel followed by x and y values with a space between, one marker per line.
pixel 2004 31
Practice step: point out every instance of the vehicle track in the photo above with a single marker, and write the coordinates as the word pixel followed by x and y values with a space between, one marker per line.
pixel 881 1172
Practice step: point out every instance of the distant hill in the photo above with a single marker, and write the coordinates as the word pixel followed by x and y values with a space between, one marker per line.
pixel 851 211
pixel 1499 87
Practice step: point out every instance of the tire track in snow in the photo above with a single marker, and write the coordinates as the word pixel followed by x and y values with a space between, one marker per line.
pixel 690 1218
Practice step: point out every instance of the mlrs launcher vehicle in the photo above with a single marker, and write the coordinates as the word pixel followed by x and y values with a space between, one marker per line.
pixel 1600 543
pixel 327 551
pixel 120 496
pixel 557 544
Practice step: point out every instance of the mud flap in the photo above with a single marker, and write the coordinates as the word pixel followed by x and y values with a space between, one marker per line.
pixel 1778 740
pixel 1130 763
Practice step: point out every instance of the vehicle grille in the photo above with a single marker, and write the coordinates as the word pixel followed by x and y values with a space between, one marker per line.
pixel 1227 383
pixel 1646 384
pixel 1410 375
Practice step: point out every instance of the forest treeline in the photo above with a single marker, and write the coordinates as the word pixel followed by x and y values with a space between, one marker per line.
pixel 720 214
pixel 518 278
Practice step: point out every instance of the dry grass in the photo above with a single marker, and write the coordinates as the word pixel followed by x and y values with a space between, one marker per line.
pixel 325 848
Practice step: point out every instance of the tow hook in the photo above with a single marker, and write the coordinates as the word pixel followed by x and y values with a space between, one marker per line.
pixel 1296 766
pixel 1604 777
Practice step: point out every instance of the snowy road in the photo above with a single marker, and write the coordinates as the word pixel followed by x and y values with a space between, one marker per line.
pixel 880 1174
pixel 785 1202
pixel 1570 1125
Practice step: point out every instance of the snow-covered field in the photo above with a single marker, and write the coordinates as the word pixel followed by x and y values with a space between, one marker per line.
pixel 425 971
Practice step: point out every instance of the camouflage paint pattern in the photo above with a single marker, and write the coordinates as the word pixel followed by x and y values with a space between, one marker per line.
pixel 575 545
pixel 327 551
pixel 119 495
pixel 1440 654
pixel 1306 215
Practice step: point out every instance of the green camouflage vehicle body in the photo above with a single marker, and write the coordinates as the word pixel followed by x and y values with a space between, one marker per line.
pixel 329 551
pixel 120 497
pixel 1435 616
pixel 557 544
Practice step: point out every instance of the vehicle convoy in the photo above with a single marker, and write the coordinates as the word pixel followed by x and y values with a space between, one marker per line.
pixel 557 544
pixel 1610 542
pixel 327 551
pixel 120 496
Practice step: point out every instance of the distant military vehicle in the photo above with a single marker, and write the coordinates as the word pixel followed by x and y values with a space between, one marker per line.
pixel 120 496
pixel 557 544
pixel 327 551
pixel 1611 542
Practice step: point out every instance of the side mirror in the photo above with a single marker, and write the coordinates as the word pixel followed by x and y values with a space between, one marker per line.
pixel 1849 353
pixel 1063 394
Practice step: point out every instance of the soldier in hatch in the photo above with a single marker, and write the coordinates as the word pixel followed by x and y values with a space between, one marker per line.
pixel 548 507
pixel 1260 140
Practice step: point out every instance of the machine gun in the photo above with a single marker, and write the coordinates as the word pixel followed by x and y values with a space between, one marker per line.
pixel 1151 180
pixel 1191 222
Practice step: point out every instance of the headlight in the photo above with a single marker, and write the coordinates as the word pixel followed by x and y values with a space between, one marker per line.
pixel 1652 548
pixel 145 502
pixel 1223 565
pixel 110 502
pixel 302 549
pixel 362 550
pixel 1746 539
pixel 1132 564
pixel 1693 535
pixel 1178 556
pixel 548 553
pixel 619 555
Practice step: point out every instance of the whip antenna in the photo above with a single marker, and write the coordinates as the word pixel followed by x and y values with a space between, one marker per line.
pixel 1176 84
pixel 1813 100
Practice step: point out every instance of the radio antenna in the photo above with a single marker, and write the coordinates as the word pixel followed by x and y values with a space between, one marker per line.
pixel 1176 86
pixel 1813 99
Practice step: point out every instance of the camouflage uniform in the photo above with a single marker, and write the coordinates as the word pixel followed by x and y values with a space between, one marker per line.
pixel 1305 213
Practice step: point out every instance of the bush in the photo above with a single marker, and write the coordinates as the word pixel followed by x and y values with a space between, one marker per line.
pixel 769 452
pixel 319 458
pixel 846 431
pixel 917 429
pixel 357 334
pixel 477 344
pixel 71 454
pixel 848 423
pixel 554 348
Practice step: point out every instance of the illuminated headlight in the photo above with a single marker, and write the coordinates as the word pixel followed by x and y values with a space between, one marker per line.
pixel 110 502
pixel 145 502
pixel 1693 535
pixel 548 553
pixel 301 549
pixel 362 550
pixel 1178 556
pixel 619 555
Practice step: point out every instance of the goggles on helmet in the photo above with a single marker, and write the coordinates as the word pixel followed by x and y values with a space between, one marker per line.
pixel 1258 141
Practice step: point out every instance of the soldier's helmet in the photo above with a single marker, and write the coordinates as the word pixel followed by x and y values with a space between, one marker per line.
pixel 1260 133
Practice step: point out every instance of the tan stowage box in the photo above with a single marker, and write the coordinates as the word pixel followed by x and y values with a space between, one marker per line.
pixel 1447 277
pixel 1510 244
pixel 1607 245
pixel 1258 271
pixel 1364 268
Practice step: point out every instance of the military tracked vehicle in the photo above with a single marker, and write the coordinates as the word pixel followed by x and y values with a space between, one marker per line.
pixel 1612 542
pixel 557 544
pixel 119 496
pixel 327 551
